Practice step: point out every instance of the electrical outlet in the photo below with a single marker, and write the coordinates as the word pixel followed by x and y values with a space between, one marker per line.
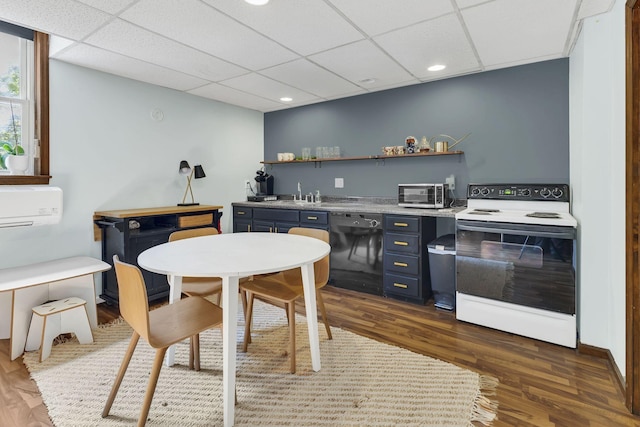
pixel 339 183
pixel 451 181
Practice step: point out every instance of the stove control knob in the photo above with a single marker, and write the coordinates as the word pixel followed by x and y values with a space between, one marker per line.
pixel 475 191
pixel 557 193
pixel 545 192
pixel 526 192
pixel 484 191
pixel 374 223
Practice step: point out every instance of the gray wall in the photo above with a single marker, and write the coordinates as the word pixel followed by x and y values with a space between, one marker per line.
pixel 518 119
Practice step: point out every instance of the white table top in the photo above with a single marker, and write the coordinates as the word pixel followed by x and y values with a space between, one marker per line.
pixel 49 271
pixel 237 254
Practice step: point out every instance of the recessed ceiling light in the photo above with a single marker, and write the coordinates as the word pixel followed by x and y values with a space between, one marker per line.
pixel 286 99
pixel 367 81
pixel 257 2
pixel 437 67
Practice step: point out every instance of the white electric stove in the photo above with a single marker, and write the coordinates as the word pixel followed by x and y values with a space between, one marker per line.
pixel 515 264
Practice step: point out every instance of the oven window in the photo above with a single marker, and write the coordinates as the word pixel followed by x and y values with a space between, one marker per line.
pixel 517 267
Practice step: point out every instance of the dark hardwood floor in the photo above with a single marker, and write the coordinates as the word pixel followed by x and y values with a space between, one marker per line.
pixel 541 384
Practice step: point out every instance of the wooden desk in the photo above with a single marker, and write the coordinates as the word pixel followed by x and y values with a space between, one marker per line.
pixel 232 256
pixel 24 287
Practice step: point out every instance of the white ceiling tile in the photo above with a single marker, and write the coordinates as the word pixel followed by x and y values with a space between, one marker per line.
pixel 439 41
pixel 362 60
pixel 110 6
pixel 470 3
pixel 65 18
pixel 56 44
pixel 505 31
pixel 594 7
pixel 127 39
pixel 235 97
pixel 305 26
pixel 109 62
pixel 379 16
pixel 267 88
pixel 315 80
pixel 195 24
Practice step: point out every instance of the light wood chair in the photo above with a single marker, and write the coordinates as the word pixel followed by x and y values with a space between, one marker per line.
pixel 285 288
pixel 161 327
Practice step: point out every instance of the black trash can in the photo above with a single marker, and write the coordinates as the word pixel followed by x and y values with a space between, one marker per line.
pixel 442 266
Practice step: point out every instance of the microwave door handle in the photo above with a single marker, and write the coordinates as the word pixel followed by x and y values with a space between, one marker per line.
pixel 492 228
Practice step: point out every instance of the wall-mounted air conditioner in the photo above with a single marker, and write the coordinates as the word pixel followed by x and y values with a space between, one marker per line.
pixel 24 205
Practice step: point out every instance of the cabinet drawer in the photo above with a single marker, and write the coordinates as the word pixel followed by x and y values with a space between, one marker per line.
pixel 401 224
pixel 285 215
pixel 314 218
pixel 403 264
pixel 402 285
pixel 195 220
pixel 242 212
pixel 406 243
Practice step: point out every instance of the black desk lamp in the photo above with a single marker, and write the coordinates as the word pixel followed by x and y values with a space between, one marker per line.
pixel 197 172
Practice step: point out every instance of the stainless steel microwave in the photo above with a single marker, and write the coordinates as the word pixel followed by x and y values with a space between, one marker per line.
pixel 433 196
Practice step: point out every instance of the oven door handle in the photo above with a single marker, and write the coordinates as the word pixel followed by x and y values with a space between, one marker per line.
pixel 523 230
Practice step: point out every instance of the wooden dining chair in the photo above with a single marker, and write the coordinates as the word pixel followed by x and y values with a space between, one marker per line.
pixel 200 286
pixel 285 288
pixel 161 327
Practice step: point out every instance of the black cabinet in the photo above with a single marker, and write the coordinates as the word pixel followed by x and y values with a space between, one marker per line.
pixel 274 220
pixel 127 233
pixel 406 258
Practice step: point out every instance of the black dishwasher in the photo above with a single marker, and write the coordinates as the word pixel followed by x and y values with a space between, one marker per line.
pixel 356 251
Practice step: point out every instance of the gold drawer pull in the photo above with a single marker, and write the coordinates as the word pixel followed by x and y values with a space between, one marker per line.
pixel 312 217
pixel 399 243
pixel 400 285
pixel 240 213
pixel 400 264
pixel 400 224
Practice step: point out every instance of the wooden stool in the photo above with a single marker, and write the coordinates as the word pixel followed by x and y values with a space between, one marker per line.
pixel 58 317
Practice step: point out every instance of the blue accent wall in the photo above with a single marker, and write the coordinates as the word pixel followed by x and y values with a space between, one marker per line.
pixel 518 119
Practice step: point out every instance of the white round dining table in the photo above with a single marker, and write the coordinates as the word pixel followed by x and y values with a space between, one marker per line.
pixel 232 256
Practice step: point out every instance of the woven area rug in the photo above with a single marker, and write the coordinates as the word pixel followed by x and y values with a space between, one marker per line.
pixel 362 382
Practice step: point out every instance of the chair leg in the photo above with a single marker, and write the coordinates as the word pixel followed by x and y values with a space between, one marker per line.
pixel 247 322
pixel 323 312
pixel 291 314
pixel 151 387
pixel 191 353
pixel 243 299
pixel 194 352
pixel 123 368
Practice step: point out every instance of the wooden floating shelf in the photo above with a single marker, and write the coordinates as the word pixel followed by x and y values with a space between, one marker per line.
pixel 375 157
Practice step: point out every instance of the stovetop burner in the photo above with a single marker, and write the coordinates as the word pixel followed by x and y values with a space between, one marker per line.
pixel 552 215
pixel 486 210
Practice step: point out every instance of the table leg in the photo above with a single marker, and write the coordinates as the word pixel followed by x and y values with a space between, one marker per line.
pixel 308 283
pixel 175 292
pixel 229 327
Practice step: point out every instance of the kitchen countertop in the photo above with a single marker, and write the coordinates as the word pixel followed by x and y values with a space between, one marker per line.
pixel 353 204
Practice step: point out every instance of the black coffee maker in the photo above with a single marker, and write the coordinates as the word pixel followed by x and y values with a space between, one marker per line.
pixel 265 183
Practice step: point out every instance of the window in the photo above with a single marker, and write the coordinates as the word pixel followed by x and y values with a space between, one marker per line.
pixel 24 103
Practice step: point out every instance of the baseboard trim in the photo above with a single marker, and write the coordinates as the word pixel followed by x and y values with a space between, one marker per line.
pixel 604 353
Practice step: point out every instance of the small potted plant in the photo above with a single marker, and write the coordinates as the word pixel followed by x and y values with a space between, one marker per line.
pixel 12 156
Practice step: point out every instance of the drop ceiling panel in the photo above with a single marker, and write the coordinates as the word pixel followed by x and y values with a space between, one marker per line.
pixel 109 62
pixel 195 24
pixel 363 60
pixel 594 7
pixel 315 80
pixel 65 18
pixel 379 16
pixel 439 41
pixel 505 31
pixel 233 96
pixel 110 6
pixel 305 26
pixel 127 39
pixel 267 88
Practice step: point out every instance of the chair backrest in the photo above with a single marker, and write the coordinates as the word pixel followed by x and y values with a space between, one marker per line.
pixel 133 301
pixel 320 267
pixel 194 232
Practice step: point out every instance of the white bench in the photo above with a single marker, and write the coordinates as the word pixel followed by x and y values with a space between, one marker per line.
pixel 24 287
pixel 58 317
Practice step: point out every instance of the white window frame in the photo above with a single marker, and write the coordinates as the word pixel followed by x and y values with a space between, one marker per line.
pixel 27 82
